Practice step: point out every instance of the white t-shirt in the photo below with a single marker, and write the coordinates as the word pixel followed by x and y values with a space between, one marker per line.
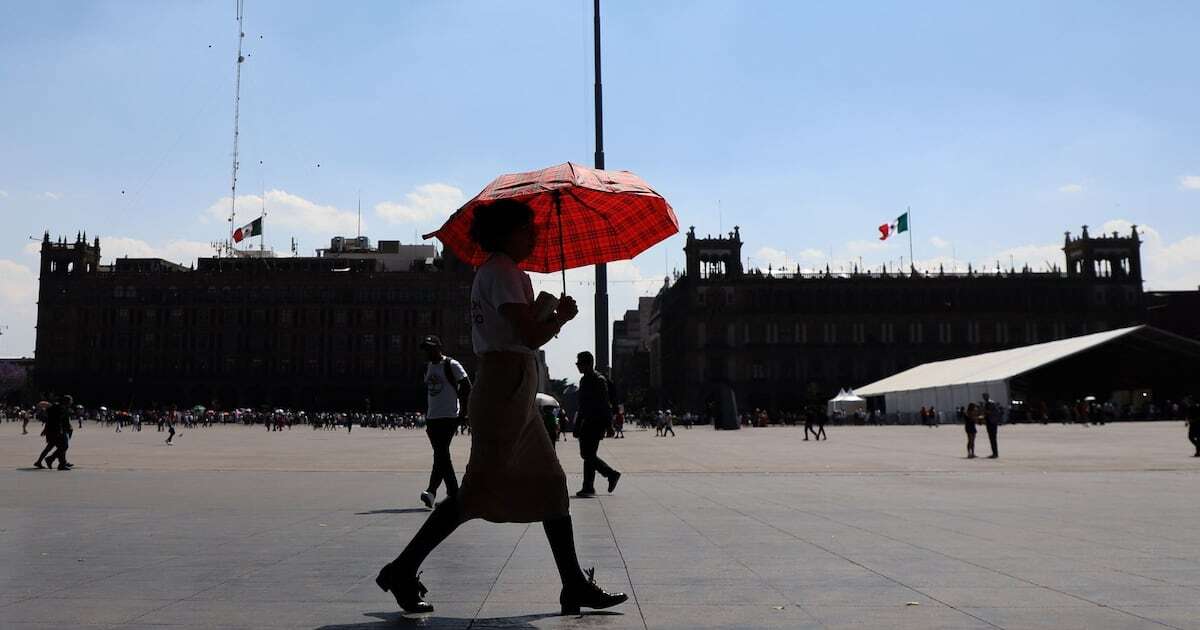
pixel 498 282
pixel 441 398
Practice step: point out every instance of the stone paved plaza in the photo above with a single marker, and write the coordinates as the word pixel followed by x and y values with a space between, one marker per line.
pixel 880 527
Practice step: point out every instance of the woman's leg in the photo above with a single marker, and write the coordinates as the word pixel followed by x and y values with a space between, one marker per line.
pixel 561 535
pixel 441 523
pixel 578 591
pixel 441 433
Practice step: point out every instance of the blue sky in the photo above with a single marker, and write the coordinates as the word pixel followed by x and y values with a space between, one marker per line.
pixel 1001 124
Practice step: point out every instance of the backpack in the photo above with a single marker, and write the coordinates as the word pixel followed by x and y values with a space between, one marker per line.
pixel 454 383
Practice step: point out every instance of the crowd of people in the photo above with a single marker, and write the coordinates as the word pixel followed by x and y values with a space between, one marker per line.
pixel 160 419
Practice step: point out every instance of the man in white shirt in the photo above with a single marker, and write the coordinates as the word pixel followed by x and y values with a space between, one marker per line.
pixel 447 388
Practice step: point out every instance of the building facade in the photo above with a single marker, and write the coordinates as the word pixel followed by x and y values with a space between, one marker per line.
pixel 631 343
pixel 780 340
pixel 339 331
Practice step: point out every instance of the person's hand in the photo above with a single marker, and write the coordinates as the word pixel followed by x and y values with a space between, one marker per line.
pixel 567 308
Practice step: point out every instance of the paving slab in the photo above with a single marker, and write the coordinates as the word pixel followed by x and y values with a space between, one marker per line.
pixel 891 527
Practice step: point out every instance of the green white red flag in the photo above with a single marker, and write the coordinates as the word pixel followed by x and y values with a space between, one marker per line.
pixel 254 228
pixel 895 227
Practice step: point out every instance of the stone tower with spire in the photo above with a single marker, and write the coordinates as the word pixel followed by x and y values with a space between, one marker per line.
pixel 1109 256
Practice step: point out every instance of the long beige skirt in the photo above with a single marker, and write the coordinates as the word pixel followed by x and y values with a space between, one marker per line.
pixel 513 475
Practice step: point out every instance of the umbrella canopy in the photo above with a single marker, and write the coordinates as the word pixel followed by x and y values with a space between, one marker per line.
pixel 605 216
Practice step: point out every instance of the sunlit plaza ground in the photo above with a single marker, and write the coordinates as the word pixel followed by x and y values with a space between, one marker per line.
pixel 879 527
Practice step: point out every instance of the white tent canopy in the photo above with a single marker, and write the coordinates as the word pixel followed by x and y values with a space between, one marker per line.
pixel 947 385
pixel 846 402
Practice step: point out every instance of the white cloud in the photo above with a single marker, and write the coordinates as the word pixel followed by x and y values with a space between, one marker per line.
pixel 3 193
pixel 18 283
pixel 18 302
pixel 50 196
pixel 1190 182
pixel 32 248
pixel 769 256
pixel 864 247
pixel 288 211
pixel 1037 257
pixel 780 259
pixel 1071 188
pixel 939 242
pixel 177 251
pixel 426 205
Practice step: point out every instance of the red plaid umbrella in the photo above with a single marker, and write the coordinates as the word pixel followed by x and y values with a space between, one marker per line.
pixel 584 217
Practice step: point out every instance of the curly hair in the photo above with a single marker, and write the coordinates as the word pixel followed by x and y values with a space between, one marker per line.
pixel 493 223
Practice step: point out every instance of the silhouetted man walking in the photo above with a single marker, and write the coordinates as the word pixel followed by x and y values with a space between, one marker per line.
pixel 58 434
pixel 991 419
pixel 592 422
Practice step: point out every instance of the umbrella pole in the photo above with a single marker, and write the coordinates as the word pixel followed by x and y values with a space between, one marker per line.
pixel 562 252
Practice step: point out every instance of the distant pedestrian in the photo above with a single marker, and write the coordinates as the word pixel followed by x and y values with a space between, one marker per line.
pixel 967 417
pixel 809 423
pixel 447 390
pixel 170 433
pixel 1193 413
pixel 593 421
pixel 49 432
pixel 819 434
pixel 668 423
pixel 991 419
pixel 58 434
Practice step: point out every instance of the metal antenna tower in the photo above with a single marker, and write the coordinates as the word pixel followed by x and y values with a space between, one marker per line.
pixel 237 100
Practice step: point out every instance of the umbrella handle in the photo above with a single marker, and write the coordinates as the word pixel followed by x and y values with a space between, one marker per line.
pixel 562 252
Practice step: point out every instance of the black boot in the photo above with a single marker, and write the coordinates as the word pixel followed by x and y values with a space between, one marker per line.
pixel 408 591
pixel 577 590
pixel 400 576
pixel 588 595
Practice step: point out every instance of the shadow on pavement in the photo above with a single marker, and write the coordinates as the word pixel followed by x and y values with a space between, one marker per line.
pixel 400 620
pixel 395 511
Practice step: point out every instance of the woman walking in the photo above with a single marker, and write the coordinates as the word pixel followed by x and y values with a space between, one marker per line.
pixel 968 418
pixel 513 475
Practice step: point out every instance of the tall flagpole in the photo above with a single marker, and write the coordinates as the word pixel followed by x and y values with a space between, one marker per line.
pixel 601 269
pixel 912 262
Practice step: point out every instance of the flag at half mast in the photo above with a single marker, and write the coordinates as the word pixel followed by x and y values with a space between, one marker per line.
pixel 895 227
pixel 254 228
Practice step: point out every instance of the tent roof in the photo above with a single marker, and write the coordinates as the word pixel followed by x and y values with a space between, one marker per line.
pixel 846 396
pixel 991 366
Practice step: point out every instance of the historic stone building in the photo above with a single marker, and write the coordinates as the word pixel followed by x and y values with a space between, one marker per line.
pixel 780 339
pixel 338 331
pixel 631 342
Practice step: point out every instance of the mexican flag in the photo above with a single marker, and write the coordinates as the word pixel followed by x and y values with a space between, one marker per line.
pixel 895 227
pixel 254 228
